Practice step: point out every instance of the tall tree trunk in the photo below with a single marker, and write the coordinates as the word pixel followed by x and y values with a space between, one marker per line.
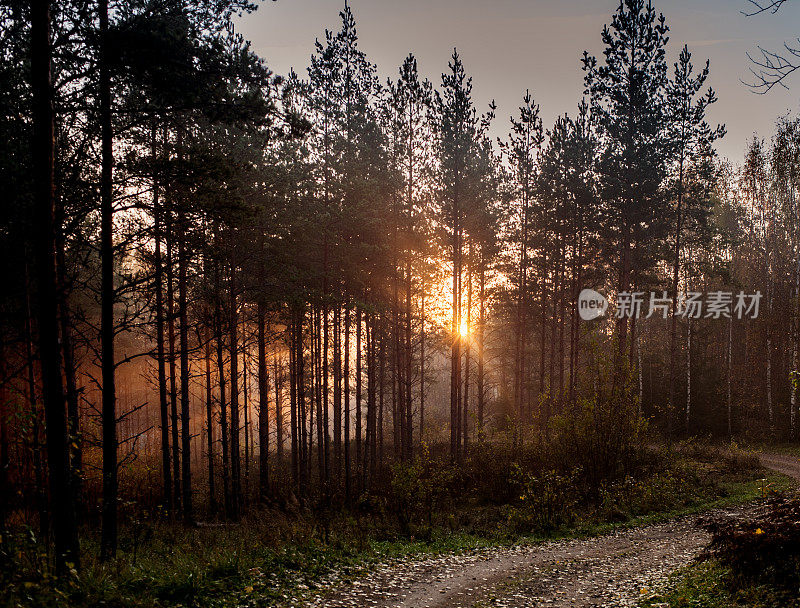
pixel 347 402
pixel 381 389
pixel 263 404
pixel 75 441
pixel 770 408
pixel 186 486
pixel 173 370
pixel 5 463
pixel 688 374
pixel 398 385
pixel 325 405
pixel 246 409
pixel 467 352
pixel 422 360
pixel 337 394
pixel 160 356
pixel 673 332
pixel 305 438
pixel 212 492
pixel 108 541
pixel 293 413
pixel 543 324
pixel 455 328
pixel 481 349
pixel 233 329
pixel 358 389
pixel 277 380
pixel 316 325
pixel 795 376
pixel 520 369
pixel 409 405
pixel 728 378
pixel 36 447
pixel 223 402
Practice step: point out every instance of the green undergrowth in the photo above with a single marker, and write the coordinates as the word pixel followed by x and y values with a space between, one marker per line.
pixel 706 584
pixel 274 558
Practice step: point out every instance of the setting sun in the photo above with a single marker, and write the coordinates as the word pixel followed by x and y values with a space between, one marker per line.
pixel 464 329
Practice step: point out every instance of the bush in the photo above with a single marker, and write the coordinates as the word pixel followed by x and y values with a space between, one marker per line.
pixel 603 437
pixel 546 502
pixel 419 488
pixel 762 549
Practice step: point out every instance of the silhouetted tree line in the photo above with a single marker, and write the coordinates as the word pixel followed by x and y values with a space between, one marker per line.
pixel 255 283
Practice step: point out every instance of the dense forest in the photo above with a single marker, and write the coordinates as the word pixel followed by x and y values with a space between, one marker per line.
pixel 226 288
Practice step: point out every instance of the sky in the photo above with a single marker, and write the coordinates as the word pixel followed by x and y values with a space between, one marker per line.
pixel 509 46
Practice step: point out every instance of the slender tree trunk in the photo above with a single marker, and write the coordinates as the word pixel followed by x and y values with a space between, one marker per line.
pixel 293 414
pixel 770 408
pixel 305 441
pixel 455 349
pixel 277 379
pixel 381 389
pixel 409 405
pixel 108 540
pixel 5 488
pixel 347 402
pixel 467 352
pixel 398 384
pixel 795 379
pixel 186 436
pixel 75 441
pixel 481 350
pixel 160 356
pixel 36 448
pixel 173 372
pixel 543 323
pixel 223 403
pixel 688 374
pixel 212 493
pixel 337 394
pixel 673 332
pixel 233 328
pixel 520 367
pixel 358 389
pixel 422 360
pixel 325 402
pixel 263 404
pixel 728 374
pixel 246 409
pixel 316 341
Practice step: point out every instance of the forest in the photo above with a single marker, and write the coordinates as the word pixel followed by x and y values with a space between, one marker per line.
pixel 298 305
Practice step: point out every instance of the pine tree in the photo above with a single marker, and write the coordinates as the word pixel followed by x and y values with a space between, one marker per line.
pixel 627 91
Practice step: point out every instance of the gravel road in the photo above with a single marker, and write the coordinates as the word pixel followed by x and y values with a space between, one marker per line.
pixel 609 570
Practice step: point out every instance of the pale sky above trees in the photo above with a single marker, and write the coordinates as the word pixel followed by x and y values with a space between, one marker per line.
pixel 510 45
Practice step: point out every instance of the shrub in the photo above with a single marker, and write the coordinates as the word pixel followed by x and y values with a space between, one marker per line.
pixel 419 488
pixel 603 437
pixel 546 502
pixel 763 548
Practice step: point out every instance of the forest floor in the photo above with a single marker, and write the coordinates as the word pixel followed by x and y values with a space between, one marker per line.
pixel 619 568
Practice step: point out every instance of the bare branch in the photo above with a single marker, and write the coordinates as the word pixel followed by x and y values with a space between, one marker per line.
pixel 760 6
pixel 772 69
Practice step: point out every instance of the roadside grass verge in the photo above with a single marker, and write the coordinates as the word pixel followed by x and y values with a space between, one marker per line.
pixel 705 584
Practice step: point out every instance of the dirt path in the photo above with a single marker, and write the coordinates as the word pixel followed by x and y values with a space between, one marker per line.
pixel 610 570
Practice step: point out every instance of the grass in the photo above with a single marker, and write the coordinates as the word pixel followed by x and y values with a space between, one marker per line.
pixel 273 559
pixel 706 584
pixel 733 493
pixel 787 449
